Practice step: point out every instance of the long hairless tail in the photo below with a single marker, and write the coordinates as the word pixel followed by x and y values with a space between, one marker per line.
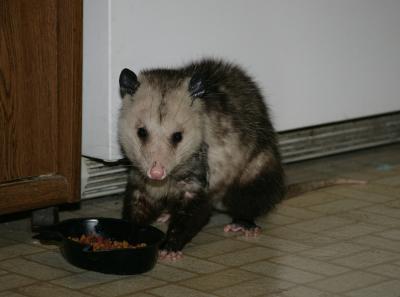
pixel 304 187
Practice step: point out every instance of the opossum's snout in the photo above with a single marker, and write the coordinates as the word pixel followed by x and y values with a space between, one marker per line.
pixel 157 171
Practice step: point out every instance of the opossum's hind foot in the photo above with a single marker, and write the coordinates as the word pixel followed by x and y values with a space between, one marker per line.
pixel 249 228
pixel 170 255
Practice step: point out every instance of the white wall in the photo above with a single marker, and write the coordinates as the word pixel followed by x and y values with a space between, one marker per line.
pixel 318 61
pixel 97 89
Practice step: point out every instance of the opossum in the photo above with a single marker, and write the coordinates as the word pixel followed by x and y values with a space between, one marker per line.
pixel 197 137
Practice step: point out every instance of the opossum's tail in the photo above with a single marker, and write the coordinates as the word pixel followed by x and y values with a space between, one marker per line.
pixel 297 189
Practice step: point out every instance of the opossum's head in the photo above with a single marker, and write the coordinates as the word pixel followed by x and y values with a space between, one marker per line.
pixel 161 120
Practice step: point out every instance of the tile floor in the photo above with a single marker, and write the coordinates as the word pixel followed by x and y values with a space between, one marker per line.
pixel 339 241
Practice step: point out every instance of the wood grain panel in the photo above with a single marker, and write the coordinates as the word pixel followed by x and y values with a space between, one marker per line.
pixel 40 103
pixel 28 88
pixel 32 193
pixel 70 40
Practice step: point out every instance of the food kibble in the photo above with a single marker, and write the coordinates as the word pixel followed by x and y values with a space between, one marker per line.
pixel 99 243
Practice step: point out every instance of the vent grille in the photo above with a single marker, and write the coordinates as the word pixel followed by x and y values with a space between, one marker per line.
pixel 103 179
pixel 339 137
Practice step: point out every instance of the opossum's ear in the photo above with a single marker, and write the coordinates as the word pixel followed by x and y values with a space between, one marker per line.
pixel 128 82
pixel 197 88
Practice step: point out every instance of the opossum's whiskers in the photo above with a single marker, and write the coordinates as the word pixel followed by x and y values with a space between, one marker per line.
pixel 183 152
pixel 140 145
pixel 141 149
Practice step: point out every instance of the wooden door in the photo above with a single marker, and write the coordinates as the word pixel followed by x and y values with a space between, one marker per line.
pixel 40 103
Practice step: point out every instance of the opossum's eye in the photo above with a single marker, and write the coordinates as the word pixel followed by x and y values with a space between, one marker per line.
pixel 176 137
pixel 142 133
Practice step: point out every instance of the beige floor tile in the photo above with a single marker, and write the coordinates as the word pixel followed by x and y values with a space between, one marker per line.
pixel 387 270
pixel 367 258
pixel 393 203
pixel 360 193
pixel 301 291
pixel 333 251
pixel 19 224
pixel 303 251
pixel 303 174
pixel 179 291
pixel 386 289
pixel 84 280
pixel 10 294
pixel 289 233
pixel 384 210
pixel 258 287
pixel 219 231
pixel 321 224
pixel 379 243
pixel 6 242
pixel 371 218
pixel 246 256
pixel 303 237
pixel 215 248
pixel 225 278
pixel 353 231
pixel 385 193
pixel 315 266
pixel 282 272
pixel 298 213
pixel 54 259
pixel 393 181
pixel 141 294
pixel 195 265
pixel 48 247
pixel 11 281
pixel 168 273
pixel 339 206
pixel 45 289
pixel 18 250
pixel 32 269
pixel 366 175
pixel 348 281
pixel 390 234
pixel 277 219
pixel 21 236
pixel 310 199
pixel 205 237
pixel 276 243
pixel 124 286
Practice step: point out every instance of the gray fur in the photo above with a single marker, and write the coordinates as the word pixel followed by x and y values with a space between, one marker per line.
pixel 228 153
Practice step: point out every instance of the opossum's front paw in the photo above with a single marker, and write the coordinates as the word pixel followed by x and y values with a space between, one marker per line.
pixel 170 255
pixel 249 228
pixel 170 250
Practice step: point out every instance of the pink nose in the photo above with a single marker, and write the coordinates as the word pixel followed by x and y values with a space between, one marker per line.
pixel 157 172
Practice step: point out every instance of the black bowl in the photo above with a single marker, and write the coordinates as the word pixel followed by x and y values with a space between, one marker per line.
pixel 114 261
